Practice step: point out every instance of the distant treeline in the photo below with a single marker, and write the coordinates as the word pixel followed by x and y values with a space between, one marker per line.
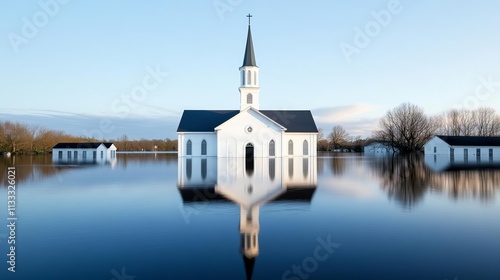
pixel 17 137
pixel 123 144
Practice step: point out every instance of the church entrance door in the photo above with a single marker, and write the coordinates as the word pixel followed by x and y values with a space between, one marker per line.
pixel 249 151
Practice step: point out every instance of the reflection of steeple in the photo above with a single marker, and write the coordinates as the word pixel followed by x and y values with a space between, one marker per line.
pixel 249 233
pixel 249 230
pixel 250 185
pixel 249 264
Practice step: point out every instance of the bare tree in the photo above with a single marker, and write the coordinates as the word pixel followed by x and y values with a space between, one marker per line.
pixel 338 137
pixel 480 122
pixel 16 136
pixel 321 134
pixel 406 128
pixel 487 122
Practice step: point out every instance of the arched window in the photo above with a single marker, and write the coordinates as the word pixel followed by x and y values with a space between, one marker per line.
pixel 272 149
pixel 203 148
pixel 203 168
pixel 189 148
pixel 290 167
pixel 249 98
pixel 189 168
pixel 242 78
pixel 305 167
pixel 255 78
pixel 272 168
pixel 305 148
pixel 249 78
pixel 290 147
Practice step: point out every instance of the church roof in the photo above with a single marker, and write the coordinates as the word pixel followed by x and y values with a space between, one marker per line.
pixel 204 120
pixel 208 120
pixel 249 59
pixel 293 120
pixel 470 140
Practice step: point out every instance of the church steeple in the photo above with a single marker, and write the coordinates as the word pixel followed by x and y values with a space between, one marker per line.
pixel 249 59
pixel 249 88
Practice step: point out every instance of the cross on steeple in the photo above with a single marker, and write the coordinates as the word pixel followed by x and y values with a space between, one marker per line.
pixel 249 16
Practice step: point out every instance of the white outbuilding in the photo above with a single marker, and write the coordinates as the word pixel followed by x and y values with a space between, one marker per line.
pixel 86 152
pixel 248 132
pixel 379 148
pixel 464 148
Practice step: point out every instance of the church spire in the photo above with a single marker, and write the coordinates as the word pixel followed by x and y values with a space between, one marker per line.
pixel 249 89
pixel 249 59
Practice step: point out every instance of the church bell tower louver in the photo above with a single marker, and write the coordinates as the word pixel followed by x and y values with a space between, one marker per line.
pixel 249 72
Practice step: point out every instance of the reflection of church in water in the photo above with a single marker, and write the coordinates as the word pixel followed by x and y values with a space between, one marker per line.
pixel 250 184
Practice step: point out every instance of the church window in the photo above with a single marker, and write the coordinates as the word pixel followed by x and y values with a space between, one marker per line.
pixel 272 149
pixel 255 78
pixel 249 98
pixel 272 168
pixel 249 78
pixel 189 168
pixel 305 167
pixel 305 148
pixel 203 148
pixel 242 77
pixel 204 168
pixel 189 148
pixel 290 147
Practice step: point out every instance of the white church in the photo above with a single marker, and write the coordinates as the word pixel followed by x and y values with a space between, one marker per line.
pixel 248 132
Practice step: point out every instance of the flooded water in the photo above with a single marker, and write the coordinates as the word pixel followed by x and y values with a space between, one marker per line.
pixel 338 216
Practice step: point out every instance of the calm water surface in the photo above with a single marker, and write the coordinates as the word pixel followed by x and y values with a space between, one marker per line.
pixel 338 216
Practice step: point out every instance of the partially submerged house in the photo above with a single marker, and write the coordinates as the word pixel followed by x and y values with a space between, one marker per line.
pixel 379 148
pixel 86 152
pixel 464 148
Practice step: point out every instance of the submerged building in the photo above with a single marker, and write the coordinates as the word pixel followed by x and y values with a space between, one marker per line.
pixel 248 132
pixel 87 152
pixel 464 148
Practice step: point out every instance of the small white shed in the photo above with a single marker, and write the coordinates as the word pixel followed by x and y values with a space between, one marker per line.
pixel 85 152
pixel 379 148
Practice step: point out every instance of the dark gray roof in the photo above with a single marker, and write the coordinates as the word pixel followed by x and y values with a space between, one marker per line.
pixel 204 120
pixel 82 145
pixel 470 140
pixel 249 59
pixel 207 121
pixel 293 120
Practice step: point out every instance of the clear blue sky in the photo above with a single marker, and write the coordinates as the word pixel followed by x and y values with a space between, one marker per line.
pixel 74 71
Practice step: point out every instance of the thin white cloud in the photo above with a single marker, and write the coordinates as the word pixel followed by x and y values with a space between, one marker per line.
pixel 357 119
pixel 342 113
